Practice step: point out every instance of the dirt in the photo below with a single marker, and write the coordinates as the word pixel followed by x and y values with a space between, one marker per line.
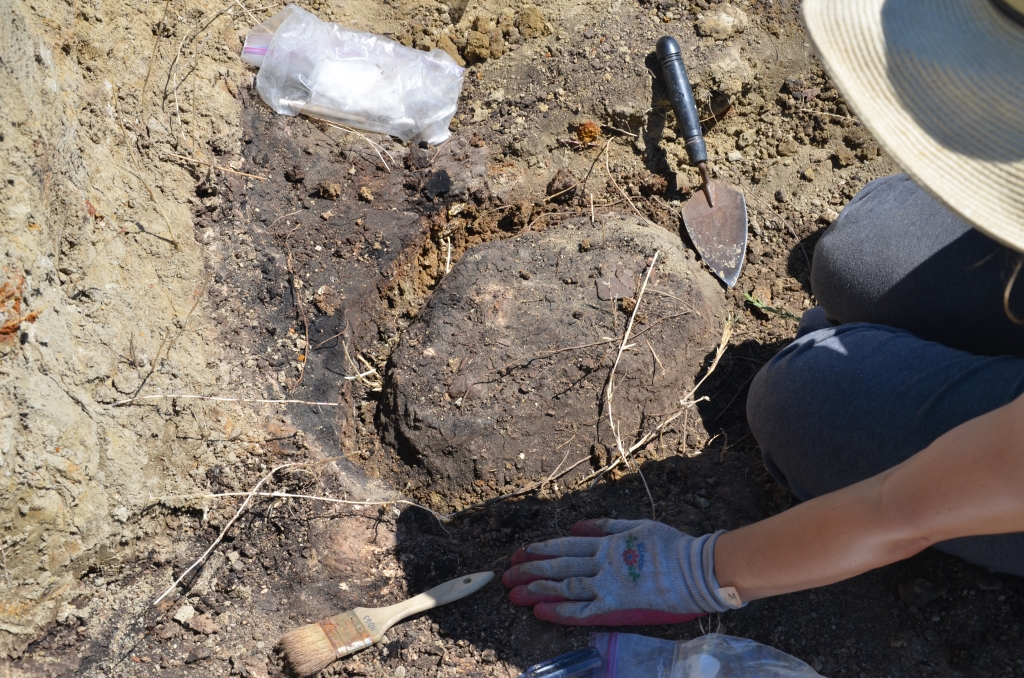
pixel 132 272
pixel 519 323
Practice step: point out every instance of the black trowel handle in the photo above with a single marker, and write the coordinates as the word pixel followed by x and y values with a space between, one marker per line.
pixel 681 95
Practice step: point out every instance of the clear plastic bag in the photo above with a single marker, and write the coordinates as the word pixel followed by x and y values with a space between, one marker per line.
pixel 626 655
pixel 351 77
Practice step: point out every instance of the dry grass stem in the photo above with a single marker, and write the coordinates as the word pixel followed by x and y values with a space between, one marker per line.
pixel 610 387
pixel 448 261
pixel 184 323
pixel 522 490
pixel 363 377
pixel 289 495
pixel 377 148
pixel 152 54
pixel 686 402
pixel 141 175
pixel 184 396
pixel 656 358
pixel 582 184
pixel 200 161
pixel 831 115
pixel 252 17
pixel 248 498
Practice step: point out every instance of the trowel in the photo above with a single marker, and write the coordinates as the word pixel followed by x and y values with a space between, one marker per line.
pixel 717 218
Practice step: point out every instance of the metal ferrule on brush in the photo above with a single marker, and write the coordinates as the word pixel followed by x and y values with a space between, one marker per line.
pixel 346 633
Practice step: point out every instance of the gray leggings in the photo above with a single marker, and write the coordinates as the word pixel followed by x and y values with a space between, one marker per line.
pixel 909 341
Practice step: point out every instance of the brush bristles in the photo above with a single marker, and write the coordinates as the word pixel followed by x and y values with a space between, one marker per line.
pixel 308 649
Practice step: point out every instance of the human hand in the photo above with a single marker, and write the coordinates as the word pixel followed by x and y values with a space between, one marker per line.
pixel 619 573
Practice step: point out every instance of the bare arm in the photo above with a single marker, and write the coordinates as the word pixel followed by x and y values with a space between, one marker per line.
pixel 968 482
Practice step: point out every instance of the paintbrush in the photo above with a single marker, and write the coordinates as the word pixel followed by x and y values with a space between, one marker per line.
pixel 314 646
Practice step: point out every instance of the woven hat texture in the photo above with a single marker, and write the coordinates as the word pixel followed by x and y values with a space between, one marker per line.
pixel 940 85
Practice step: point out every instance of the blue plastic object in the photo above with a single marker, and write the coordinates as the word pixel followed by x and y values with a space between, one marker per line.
pixel 577 664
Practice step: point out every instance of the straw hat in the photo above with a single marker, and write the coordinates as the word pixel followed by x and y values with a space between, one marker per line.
pixel 940 85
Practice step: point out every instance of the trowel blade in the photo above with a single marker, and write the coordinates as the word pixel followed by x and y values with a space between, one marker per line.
pixel 719 232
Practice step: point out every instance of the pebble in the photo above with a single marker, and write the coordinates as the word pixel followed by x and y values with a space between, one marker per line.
pixel 788 147
pixel 199 653
pixel 989 583
pixel 184 614
pixel 781 195
pixel 844 157
pixel 829 215
pixel 734 156
pixel 722 22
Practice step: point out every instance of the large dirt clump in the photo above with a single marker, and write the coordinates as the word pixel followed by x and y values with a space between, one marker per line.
pixel 502 376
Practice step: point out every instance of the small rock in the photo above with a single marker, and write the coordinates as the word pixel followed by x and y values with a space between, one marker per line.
pixel 120 514
pixel 989 583
pixel 439 183
pixel 167 631
pixel 104 394
pixel 781 195
pixel 919 592
pixel 734 156
pixel 722 22
pixel 328 190
pixel 295 175
pixel 478 47
pixel 625 114
pixel 530 23
pixel 201 623
pixel 729 70
pixel 788 147
pixel 489 656
pixel 746 138
pixel 855 138
pixel 327 302
pixel 496 42
pixel 365 194
pixel 198 653
pixel 562 185
pixel 184 614
pixel 400 672
pixel 445 44
pixel 807 174
pixel 127 382
pixel 828 216
pixel 844 157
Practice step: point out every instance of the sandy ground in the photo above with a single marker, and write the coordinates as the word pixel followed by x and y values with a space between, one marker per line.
pixel 130 269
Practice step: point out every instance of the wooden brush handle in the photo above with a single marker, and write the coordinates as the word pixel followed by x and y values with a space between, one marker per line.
pixel 447 592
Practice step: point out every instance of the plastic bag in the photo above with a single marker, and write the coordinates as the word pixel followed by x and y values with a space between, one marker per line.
pixel 354 78
pixel 626 655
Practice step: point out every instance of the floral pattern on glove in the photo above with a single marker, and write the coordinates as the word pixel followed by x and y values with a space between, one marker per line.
pixel 633 557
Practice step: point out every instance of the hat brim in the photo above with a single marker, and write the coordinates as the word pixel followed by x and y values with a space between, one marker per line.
pixel 940 85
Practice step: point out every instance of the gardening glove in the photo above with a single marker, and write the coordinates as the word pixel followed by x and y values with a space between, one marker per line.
pixel 620 573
